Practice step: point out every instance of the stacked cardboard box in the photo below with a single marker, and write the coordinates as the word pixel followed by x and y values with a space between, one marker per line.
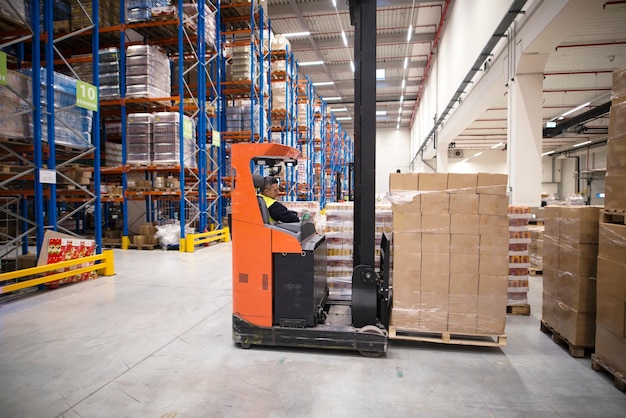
pixel 569 272
pixel 611 296
pixel 450 252
pixel 519 258
pixel 536 247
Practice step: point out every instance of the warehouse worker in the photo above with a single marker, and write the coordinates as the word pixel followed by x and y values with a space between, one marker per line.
pixel 278 211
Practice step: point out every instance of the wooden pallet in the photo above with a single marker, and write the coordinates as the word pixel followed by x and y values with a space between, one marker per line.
pixel 599 365
pixel 535 272
pixel 479 340
pixel 613 216
pixel 573 350
pixel 112 244
pixel 521 309
pixel 142 246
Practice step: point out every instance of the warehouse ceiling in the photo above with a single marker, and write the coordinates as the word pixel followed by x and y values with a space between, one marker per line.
pixel 578 71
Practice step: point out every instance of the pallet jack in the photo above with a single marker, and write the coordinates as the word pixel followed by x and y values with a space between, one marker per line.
pixel 280 289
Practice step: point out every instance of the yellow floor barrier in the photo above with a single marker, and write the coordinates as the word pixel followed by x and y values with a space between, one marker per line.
pixel 192 240
pixel 106 266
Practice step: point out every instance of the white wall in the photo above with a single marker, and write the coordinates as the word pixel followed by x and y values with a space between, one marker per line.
pixel 490 161
pixel 392 153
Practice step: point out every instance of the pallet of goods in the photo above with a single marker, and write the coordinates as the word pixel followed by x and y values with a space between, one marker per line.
pixel 451 257
pixel 610 355
pixel 569 275
pixel 519 260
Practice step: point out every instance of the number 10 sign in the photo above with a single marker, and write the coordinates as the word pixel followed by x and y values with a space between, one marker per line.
pixel 86 95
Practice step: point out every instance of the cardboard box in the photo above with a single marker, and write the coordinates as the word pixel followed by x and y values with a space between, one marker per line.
pixel 464 283
pixel 464 224
pixel 407 222
pixel 462 183
pixel 26 261
pixel 552 214
pixel 406 279
pixel 464 263
pixel 406 202
pixel 403 181
pixel 494 244
pixel 491 184
pixel 436 243
pixel 579 224
pixel 433 181
pixel 464 203
pixel 490 204
pixel 490 324
pixel 463 303
pixel 577 328
pixel 407 242
pixel 492 284
pixel 435 263
pixel 139 240
pixel 493 265
pixel 494 225
pixel 611 278
pixel 619 88
pixel 405 318
pixel 611 349
pixel 490 304
pixel 434 282
pixel 579 260
pixel 616 154
pixel 435 202
pixel 464 244
pixel 462 323
pixel 577 293
pixel 436 223
pixel 407 260
pixel 617 117
pixel 614 186
pixel 434 312
pixel 612 242
pixel 611 314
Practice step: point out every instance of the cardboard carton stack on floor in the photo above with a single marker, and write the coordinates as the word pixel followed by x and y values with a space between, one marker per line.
pixel 519 258
pixel 536 247
pixel 569 272
pixel 450 252
pixel 611 297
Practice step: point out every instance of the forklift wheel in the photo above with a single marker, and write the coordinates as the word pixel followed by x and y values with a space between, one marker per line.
pixel 245 345
pixel 371 329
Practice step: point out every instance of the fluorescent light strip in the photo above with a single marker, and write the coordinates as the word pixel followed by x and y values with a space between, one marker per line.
pixel 352 65
pixel 381 113
pixel 582 143
pixel 398 126
pixel 334 4
pixel 403 82
pixel 401 99
pixel 331 99
pixel 478 154
pixel 310 63
pixel 339 109
pixel 497 145
pixel 324 83
pixel 575 109
pixel 408 35
pixel 406 62
pixel 296 34
pixel 344 118
pixel 547 153
pixel 343 36
pixel 465 160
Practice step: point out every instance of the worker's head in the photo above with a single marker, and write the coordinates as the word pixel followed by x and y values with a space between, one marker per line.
pixel 270 187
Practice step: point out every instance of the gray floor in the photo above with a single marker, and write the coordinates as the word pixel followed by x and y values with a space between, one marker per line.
pixel 155 341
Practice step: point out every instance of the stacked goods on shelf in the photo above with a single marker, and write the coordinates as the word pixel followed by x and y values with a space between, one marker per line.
pixel 302 114
pixel 139 138
pixel 536 247
pixel 339 231
pixel 191 20
pixel 611 286
pixel 147 72
pixel 313 208
pixel 241 64
pixel 166 139
pixel 450 253
pixel 15 10
pixel 141 10
pixel 519 258
pixel 72 124
pixel 109 67
pixel 112 154
pixel 570 250
pixel 14 106
pixel 279 96
pixel 81 13
pixel 245 117
pixel 233 118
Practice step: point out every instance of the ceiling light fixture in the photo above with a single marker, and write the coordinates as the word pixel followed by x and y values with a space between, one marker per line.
pixel 400 110
pixel 398 119
pixel 478 154
pixel 403 82
pixel 398 126
pixel 465 160
pixel 334 4
pixel 296 34
pixel 547 153
pixel 406 62
pixel 338 109
pixel 344 118
pixel 582 143
pixel 380 74
pixel 343 36
pixel 499 144
pixel 381 113
pixel 352 65
pixel 408 35
pixel 332 99
pixel 575 109
pixel 401 99
pixel 310 63
pixel 324 83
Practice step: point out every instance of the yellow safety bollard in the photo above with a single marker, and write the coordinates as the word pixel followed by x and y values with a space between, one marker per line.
pixel 109 262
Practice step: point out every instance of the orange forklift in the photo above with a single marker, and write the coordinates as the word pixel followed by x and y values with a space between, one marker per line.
pixel 280 289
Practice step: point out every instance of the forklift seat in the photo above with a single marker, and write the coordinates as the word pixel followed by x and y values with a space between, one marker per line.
pixel 257 179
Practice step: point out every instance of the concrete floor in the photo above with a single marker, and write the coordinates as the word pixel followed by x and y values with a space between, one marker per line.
pixel 155 341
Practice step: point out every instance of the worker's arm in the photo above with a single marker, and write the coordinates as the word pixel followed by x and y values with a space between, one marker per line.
pixel 279 212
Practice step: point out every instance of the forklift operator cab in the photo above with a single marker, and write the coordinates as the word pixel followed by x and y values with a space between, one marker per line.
pixel 280 290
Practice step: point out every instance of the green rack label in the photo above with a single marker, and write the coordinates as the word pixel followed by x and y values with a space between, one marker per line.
pixel 187 129
pixel 86 95
pixel 216 140
pixel 3 68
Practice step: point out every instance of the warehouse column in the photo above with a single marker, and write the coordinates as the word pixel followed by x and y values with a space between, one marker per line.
pixel 525 139
pixel 442 157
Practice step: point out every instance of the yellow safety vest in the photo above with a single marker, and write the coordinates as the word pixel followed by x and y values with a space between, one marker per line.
pixel 269 202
